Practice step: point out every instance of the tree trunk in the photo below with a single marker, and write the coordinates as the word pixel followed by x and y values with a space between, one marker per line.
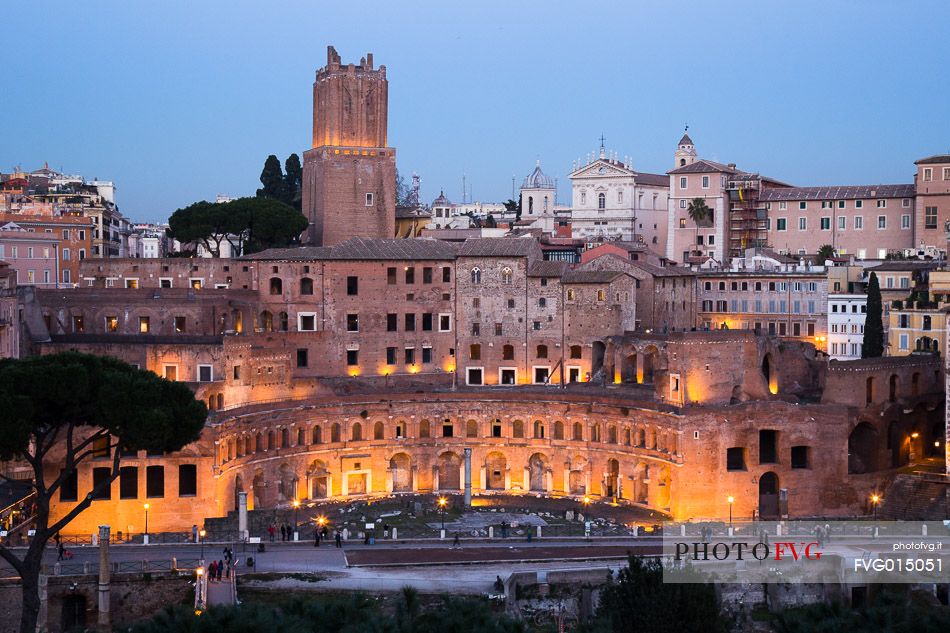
pixel 30 583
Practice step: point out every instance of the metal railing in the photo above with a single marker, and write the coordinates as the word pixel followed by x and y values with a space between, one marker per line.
pixel 173 565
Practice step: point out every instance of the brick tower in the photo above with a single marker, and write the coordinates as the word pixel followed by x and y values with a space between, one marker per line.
pixel 349 175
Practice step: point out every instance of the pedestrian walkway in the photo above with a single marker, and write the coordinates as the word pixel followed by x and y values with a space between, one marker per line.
pixel 221 593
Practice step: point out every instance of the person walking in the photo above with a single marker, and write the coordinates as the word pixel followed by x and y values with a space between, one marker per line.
pixel 212 570
pixel 60 549
pixel 316 538
pixel 271 530
pixel 220 569
pixel 339 539
pixel 456 542
pixel 283 532
pixel 194 533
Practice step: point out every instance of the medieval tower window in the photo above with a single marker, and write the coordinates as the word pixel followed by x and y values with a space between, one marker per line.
pixel 506 275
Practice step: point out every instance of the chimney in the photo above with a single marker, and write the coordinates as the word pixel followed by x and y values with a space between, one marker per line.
pixel 369 61
pixel 732 165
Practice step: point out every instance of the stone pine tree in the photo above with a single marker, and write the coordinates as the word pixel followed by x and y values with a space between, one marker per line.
pixel 873 344
pixel 272 179
pixel 58 412
pixel 825 252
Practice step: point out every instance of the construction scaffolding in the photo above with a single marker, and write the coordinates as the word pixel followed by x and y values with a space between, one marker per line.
pixel 748 220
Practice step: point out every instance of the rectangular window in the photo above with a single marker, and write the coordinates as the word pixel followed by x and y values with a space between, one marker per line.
pixel 427 322
pixel 99 478
pixel 446 274
pixel 858 222
pixel 426 354
pixel 800 457
pixel 352 323
pixel 803 205
pixel 410 355
pixel 302 358
pixel 180 323
pixel 306 321
pixel 683 182
pixel 476 329
pixel 352 357
pixel 705 182
pixel 882 221
pixel 882 204
pixel 768 445
pixel 826 224
pixel 369 200
pixel 352 285
pixel 905 221
pixel 410 322
pixel 390 355
pixel 391 320
pixel 205 373
pixel 171 372
pixel 473 376
pixel 143 325
pixel 69 489
pixel 187 480
pixel 735 458
pixel 128 482
pixel 391 275
pixel 427 275
pixel 781 224
pixel 802 224
pixel 930 217
pixel 842 222
pixel 475 352
pixel 928 174
pixel 445 322
pixel 410 275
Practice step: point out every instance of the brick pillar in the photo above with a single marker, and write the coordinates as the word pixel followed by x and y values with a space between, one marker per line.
pixel 104 615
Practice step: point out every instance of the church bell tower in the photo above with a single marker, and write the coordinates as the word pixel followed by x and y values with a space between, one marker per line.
pixel 349 175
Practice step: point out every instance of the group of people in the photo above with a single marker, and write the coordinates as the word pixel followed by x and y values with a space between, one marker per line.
pixel 221 568
pixel 286 532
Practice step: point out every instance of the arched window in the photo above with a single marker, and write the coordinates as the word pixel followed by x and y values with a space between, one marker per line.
pixel 284 321
pixel 517 428
pixel 539 429
pixel 545 204
pixel 601 201
pixel 271 441
pixel 424 428
pixel 476 275
pixel 306 286
pixel 356 433
pixel 578 432
pixel 211 402
pixel 276 286
pixel 530 204
pixel 315 435
pixel 267 321
pixel 335 432
pixel 378 431
pixel 301 437
pixel 259 443
pixel 506 275
pixel 620 196
pixel 284 438
pixel 542 351
pixel 576 351
pixel 508 352
pixel 558 430
pixel 220 401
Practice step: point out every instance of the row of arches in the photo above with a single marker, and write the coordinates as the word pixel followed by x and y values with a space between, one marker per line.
pixel 637 480
pixel 304 286
pixel 634 435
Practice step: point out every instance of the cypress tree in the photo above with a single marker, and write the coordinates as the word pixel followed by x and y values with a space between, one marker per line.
pixel 272 177
pixel 873 346
pixel 293 176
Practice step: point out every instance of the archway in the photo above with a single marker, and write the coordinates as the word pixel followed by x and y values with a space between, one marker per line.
pixel 449 475
pixel 537 469
pixel 238 489
pixel 496 467
pixel 768 495
pixel 74 612
pixel 400 467
pixel 650 361
pixel 770 374
pixel 612 479
pixel 378 431
pixel 577 477
pixel 258 492
pixel 287 482
pixel 892 388
pixel 598 350
pixel 319 479
pixel 356 432
pixel 628 368
pixel 898 445
pixel 862 443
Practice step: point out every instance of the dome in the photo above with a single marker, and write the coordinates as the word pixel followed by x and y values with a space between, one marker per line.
pixel 537 180
pixel 441 201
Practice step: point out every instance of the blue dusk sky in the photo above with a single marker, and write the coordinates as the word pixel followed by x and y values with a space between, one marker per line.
pixel 178 101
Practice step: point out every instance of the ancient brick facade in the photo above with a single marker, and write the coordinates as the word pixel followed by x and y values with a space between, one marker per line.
pixel 349 174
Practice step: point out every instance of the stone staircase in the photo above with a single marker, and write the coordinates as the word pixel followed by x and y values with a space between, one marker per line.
pixel 916 498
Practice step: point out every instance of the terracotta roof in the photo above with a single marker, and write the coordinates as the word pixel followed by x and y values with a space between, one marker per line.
pixel 659 180
pixel 402 249
pixel 500 247
pixel 851 192
pixel 548 269
pixel 299 253
pixel 901 265
pixel 590 276
pixel 404 213
pixel 703 166
pixel 933 160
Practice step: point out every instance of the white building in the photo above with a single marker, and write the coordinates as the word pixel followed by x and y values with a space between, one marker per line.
pixel 846 314
pixel 446 215
pixel 611 200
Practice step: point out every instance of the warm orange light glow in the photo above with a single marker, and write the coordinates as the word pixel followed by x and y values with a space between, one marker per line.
pixel 296 503
pixel 321 521
pixel 442 502
pixel 200 571
pixel 731 499
pixel 915 435
pixel 586 501
pixel 354 372
pixel 202 533
pixel 147 506
pixel 875 499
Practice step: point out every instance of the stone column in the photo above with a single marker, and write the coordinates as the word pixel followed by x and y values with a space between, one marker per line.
pixel 507 477
pixel 525 479
pixel 468 478
pixel 639 368
pixel 462 473
pixel 104 615
pixel 242 515
pixel 567 478
pixel 415 477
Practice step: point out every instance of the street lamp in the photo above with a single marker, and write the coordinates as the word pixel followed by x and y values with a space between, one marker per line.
pixel 731 500
pixel 442 503
pixel 145 542
pixel 296 508
pixel 875 500
pixel 202 535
